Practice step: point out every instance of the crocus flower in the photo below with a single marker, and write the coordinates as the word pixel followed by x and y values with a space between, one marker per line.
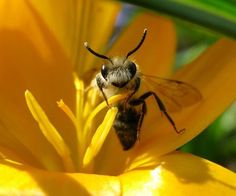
pixel 68 150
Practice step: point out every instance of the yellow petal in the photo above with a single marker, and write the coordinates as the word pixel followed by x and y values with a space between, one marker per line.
pixel 213 73
pixel 74 22
pixel 31 58
pixel 62 19
pixel 156 55
pixel 176 174
pixel 179 174
pixel 97 29
pixel 23 180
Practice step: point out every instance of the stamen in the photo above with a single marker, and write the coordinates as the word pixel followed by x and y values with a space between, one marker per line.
pixel 67 111
pixel 49 131
pixel 79 86
pixel 77 124
pixel 89 105
pixel 101 106
pixel 99 136
pixel 80 93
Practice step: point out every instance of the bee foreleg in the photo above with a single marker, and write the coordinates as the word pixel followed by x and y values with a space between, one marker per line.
pixel 100 85
pixel 135 89
pixel 162 108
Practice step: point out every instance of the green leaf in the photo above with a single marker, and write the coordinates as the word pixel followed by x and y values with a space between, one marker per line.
pixel 216 15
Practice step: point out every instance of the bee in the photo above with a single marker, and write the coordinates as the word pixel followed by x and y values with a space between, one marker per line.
pixel 121 75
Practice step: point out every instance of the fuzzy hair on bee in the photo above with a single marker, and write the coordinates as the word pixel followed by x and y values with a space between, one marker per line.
pixel 118 77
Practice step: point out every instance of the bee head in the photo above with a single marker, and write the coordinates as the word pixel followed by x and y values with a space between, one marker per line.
pixel 118 70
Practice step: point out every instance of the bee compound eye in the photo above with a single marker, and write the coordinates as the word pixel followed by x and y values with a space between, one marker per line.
pixel 132 68
pixel 104 71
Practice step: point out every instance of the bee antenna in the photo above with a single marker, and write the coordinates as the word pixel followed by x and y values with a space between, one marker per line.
pixel 139 45
pixel 95 53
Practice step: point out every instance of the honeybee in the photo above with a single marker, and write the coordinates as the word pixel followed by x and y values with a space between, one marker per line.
pixel 121 75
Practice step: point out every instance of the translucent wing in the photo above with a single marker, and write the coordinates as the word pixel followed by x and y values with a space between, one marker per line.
pixel 173 93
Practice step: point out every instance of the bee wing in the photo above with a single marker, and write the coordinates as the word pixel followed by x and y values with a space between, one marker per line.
pixel 173 93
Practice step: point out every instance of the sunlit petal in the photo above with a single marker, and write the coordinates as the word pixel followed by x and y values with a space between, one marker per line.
pixel 179 174
pixel 177 171
pixel 24 180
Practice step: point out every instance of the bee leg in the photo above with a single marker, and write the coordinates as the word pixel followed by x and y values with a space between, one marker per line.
pixel 103 94
pixel 136 102
pixel 136 87
pixel 162 108
pixel 101 86
pixel 144 110
pixel 127 100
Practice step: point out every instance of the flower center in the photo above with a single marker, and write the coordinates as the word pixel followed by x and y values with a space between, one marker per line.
pixel 90 139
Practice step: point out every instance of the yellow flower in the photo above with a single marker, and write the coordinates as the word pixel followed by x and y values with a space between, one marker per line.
pixel 48 154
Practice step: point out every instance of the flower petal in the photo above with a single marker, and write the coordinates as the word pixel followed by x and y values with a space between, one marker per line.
pixel 179 174
pixel 23 180
pixel 61 17
pixel 213 73
pixel 156 55
pixel 173 174
pixel 97 30
pixel 74 22
pixel 30 58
